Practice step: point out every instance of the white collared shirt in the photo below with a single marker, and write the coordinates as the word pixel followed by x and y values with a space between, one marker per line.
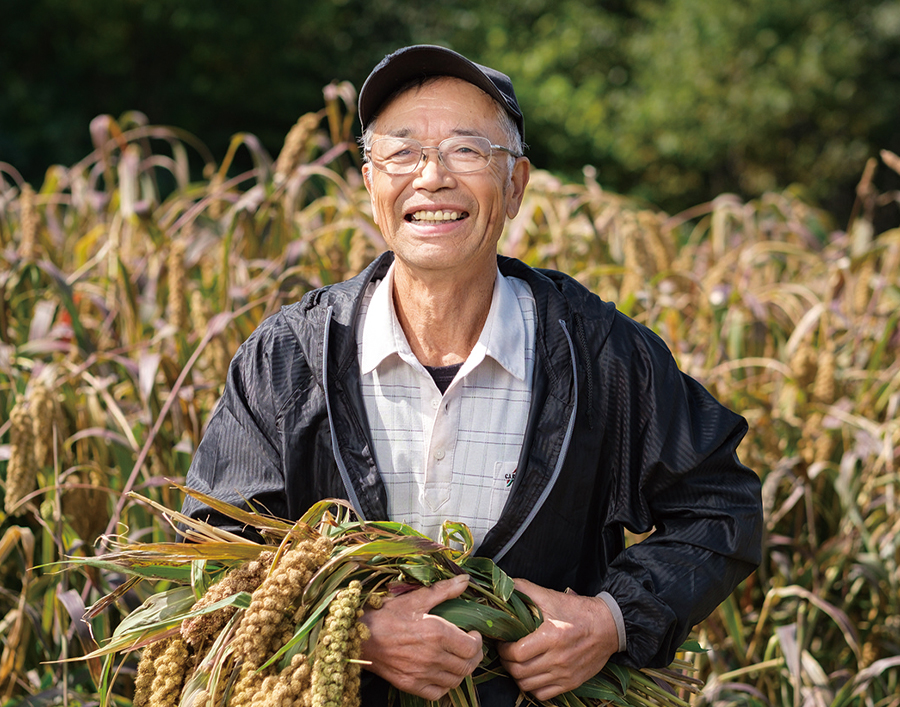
pixel 452 456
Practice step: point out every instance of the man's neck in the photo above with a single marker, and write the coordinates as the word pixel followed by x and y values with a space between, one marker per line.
pixel 442 317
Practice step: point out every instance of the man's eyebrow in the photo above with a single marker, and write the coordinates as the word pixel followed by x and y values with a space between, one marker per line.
pixel 456 132
pixel 468 132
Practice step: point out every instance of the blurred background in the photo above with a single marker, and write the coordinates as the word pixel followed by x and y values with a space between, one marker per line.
pixel 726 172
pixel 672 101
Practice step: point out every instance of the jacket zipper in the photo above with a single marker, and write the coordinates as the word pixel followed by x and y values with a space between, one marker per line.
pixel 562 455
pixel 338 459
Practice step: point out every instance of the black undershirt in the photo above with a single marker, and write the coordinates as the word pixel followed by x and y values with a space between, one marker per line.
pixel 443 375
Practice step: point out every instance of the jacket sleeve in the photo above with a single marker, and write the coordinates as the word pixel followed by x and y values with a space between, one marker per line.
pixel 677 475
pixel 239 459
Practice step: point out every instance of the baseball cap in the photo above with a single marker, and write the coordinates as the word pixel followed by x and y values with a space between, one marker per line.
pixel 424 60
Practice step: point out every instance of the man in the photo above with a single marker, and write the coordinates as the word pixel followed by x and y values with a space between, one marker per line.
pixel 445 382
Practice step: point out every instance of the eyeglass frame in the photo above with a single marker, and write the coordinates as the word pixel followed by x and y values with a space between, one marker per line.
pixel 422 148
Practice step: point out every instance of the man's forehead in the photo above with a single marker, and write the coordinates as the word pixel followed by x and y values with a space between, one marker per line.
pixel 427 87
pixel 444 95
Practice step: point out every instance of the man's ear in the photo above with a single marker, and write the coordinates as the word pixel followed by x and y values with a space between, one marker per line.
pixel 518 180
pixel 367 180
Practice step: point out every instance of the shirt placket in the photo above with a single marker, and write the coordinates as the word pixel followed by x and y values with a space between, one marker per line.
pixel 440 443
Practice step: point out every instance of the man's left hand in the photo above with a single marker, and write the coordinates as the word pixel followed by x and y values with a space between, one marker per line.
pixel 576 638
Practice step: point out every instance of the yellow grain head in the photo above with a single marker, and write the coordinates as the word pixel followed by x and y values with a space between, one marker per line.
pixel 215 357
pixel 246 686
pixel 45 414
pixel 85 502
pixel 812 430
pixel 862 293
pixel 216 204
pixel 270 606
pixel 361 253
pixel 146 670
pixel 869 654
pixel 295 144
pixel 199 313
pixel 824 446
pixel 660 249
pixel 632 249
pixel 332 673
pixel 803 364
pixel 21 470
pixel 824 385
pixel 245 578
pixel 172 668
pixel 177 303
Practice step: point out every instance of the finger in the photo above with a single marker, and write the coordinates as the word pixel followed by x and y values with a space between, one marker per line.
pixel 440 592
pixel 467 647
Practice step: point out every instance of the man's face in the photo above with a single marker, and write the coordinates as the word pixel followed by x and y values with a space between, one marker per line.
pixel 482 200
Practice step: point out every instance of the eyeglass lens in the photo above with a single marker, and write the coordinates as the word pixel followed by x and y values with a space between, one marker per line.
pixel 458 154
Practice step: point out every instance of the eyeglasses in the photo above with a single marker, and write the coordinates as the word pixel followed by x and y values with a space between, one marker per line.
pixel 460 155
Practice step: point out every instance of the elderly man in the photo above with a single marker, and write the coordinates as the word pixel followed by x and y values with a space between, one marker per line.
pixel 445 382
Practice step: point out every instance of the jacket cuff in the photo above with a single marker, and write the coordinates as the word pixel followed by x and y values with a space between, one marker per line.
pixel 616 612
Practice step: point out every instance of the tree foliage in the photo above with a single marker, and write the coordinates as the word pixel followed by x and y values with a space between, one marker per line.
pixel 673 100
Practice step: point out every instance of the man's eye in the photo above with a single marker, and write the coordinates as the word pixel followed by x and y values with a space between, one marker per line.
pixel 404 154
pixel 465 150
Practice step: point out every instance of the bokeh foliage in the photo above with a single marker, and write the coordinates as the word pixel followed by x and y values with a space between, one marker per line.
pixel 675 101
pixel 122 305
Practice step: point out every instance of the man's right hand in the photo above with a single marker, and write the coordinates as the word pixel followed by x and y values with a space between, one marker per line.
pixel 418 652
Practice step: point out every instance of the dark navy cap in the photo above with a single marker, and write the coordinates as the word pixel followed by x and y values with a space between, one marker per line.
pixel 423 61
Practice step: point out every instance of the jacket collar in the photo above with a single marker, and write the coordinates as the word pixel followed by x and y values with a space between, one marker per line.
pixel 335 308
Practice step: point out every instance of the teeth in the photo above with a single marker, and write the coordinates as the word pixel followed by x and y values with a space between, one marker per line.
pixel 435 216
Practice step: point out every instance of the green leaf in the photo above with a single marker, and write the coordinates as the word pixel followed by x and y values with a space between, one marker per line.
pixel 487 620
pixel 692 646
pixel 199 580
pixel 166 607
pixel 524 612
pixel 424 574
pixel 620 673
pixel 502 583
pixel 598 689
pixel 160 613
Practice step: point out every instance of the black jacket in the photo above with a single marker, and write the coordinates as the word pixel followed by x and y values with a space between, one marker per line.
pixel 617 438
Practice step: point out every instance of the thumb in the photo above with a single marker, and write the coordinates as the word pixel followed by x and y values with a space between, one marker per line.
pixel 440 592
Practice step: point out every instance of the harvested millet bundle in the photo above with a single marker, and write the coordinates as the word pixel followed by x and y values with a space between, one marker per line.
pixel 333 676
pixel 171 669
pixel 245 578
pixel 146 669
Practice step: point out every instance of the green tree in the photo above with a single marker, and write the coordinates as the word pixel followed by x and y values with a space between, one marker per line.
pixel 673 100
pixel 680 100
pixel 212 67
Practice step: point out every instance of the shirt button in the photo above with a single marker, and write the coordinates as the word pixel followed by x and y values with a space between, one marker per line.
pixel 435 403
pixel 439 454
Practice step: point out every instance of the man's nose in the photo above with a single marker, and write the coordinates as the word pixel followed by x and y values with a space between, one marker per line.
pixel 431 166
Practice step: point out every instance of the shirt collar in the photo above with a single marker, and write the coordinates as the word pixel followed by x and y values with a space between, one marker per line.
pixel 502 338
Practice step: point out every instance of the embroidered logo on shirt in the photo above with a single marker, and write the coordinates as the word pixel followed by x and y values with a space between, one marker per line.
pixel 510 477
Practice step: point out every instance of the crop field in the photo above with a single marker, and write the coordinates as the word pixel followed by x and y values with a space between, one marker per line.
pixel 130 278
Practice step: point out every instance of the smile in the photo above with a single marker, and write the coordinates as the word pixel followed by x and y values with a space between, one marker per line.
pixel 436 216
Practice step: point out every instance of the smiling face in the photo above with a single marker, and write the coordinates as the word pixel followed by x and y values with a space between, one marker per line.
pixel 436 221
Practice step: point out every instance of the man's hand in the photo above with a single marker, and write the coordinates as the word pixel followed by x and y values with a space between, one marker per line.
pixel 573 643
pixel 418 652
